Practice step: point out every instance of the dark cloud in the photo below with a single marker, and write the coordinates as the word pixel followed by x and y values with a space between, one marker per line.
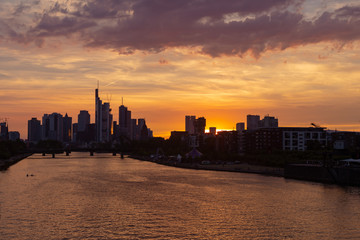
pixel 232 27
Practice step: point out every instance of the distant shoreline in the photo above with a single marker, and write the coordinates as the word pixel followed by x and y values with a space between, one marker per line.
pixel 6 163
pixel 241 167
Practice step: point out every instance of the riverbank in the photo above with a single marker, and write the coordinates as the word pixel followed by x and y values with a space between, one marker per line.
pixel 6 163
pixel 240 167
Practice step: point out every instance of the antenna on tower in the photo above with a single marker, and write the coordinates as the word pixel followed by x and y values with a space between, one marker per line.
pixel 122 101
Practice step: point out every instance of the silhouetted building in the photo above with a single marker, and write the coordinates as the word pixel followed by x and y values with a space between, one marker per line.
pixel 34 130
pixel 212 130
pixel 14 135
pixel 150 133
pixel 52 127
pixel 124 121
pixel 67 124
pixel 98 116
pixel 199 126
pixel 81 130
pixel 189 124
pixel 252 122
pixel 284 138
pixel 240 126
pixel 103 119
pixel 227 141
pixel 83 120
pixel 345 141
pixel 269 122
pixel 4 131
pixel 143 130
pixel 133 129
pixel 75 128
pixel 261 140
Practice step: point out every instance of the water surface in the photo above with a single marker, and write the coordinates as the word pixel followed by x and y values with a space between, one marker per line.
pixel 105 197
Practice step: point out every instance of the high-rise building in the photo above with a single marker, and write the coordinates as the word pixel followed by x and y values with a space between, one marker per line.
pixel 189 124
pixel 4 131
pixel 34 130
pixel 67 123
pixel 133 129
pixel 98 116
pixel 83 120
pixel 143 130
pixel 52 127
pixel 124 121
pixel 103 119
pixel 252 122
pixel 212 130
pixel 199 125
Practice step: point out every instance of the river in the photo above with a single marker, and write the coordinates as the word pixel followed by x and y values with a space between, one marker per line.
pixel 105 197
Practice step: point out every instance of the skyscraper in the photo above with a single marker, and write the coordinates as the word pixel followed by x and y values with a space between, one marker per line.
pixel 67 123
pixel 83 120
pixel 52 127
pixel 98 116
pixel 4 131
pixel 103 119
pixel 124 121
pixel 34 130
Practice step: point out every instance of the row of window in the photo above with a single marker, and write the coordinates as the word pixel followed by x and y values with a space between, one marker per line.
pixel 308 135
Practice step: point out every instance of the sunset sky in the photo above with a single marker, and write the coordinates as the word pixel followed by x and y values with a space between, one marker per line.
pixel 297 60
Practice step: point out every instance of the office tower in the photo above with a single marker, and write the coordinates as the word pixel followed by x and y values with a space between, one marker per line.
pixel 107 120
pixel 67 123
pixel 83 121
pixel 34 130
pixel 75 135
pixel 143 130
pixel 103 119
pixel 189 124
pixel 4 131
pixel 52 127
pixel 133 129
pixel 269 122
pixel 124 121
pixel 98 116
pixel 199 125
pixel 240 126
pixel 212 130
pixel 252 122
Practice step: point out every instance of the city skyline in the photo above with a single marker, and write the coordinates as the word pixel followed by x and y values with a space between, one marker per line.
pixel 296 60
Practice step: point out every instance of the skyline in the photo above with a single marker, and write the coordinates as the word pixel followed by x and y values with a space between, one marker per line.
pixel 296 60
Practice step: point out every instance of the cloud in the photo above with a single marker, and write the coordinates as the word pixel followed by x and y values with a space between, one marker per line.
pixel 232 28
pixel 163 62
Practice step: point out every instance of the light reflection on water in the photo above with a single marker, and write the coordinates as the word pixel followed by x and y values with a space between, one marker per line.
pixel 105 197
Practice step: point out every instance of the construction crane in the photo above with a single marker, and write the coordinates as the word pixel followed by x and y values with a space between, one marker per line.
pixel 4 120
pixel 317 126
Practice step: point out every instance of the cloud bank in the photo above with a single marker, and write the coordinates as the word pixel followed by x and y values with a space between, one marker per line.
pixel 217 28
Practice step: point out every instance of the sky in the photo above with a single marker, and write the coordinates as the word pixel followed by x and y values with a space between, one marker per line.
pixel 297 60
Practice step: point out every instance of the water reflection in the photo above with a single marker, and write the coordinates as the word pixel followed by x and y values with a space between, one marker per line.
pixel 105 197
